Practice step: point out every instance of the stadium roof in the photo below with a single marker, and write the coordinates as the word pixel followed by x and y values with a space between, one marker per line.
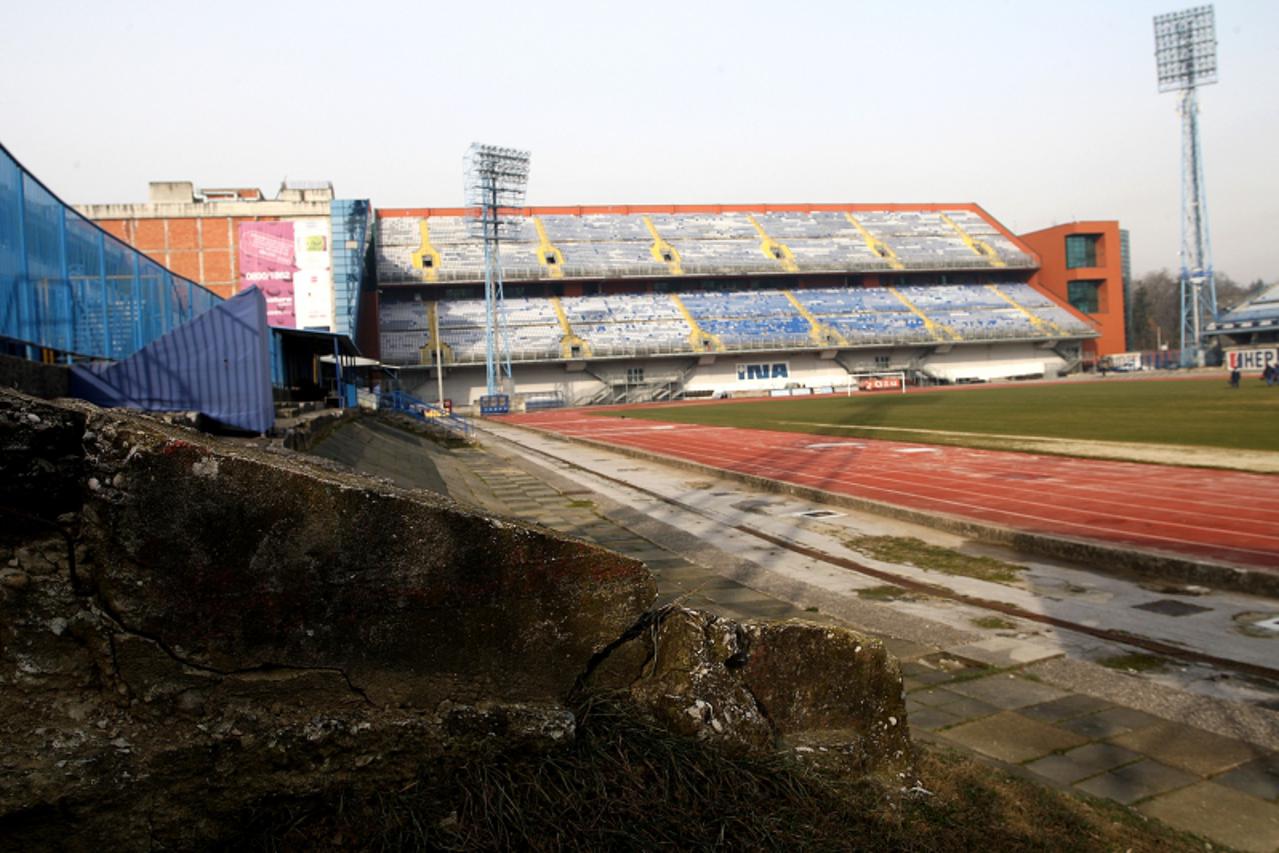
pixel 1259 314
pixel 658 241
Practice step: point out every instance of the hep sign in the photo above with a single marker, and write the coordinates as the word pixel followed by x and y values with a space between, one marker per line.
pixel 1251 359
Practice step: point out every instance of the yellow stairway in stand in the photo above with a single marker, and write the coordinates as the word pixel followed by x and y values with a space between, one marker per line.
pixel 979 247
pixel 698 339
pixel 771 248
pixel 547 255
pixel 1046 326
pixel 821 334
pixel 427 257
pixel 937 330
pixel 875 244
pixel 426 354
pixel 663 252
pixel 569 339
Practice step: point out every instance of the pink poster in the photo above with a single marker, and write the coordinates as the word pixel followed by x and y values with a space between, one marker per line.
pixel 267 262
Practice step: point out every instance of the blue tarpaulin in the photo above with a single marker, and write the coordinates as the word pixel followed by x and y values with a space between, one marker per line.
pixel 217 364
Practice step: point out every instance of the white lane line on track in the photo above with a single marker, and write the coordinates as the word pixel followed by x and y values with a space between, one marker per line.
pixel 1125 534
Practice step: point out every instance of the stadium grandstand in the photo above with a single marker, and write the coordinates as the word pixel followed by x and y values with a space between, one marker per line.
pixel 1254 322
pixel 603 304
pixel 631 304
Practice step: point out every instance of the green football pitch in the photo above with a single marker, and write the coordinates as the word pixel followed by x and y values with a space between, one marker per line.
pixel 1200 412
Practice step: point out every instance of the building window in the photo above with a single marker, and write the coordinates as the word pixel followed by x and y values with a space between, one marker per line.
pixel 634 376
pixel 1081 250
pixel 1084 296
pixel 1125 261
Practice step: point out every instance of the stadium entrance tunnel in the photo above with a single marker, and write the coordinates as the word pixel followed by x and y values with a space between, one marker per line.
pixel 194 630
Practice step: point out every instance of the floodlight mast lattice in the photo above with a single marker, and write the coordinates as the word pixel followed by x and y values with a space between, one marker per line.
pixel 496 182
pixel 1186 58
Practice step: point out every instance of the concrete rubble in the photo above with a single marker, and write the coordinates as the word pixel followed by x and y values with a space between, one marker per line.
pixel 190 627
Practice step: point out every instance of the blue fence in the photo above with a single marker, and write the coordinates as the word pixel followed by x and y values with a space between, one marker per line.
pixel 399 401
pixel 68 286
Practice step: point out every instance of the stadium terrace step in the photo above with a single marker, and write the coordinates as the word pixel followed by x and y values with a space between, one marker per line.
pixel 822 334
pixel 662 250
pixel 427 257
pixel 639 244
pixel 979 247
pixel 650 323
pixel 938 330
pixel 1045 326
pixel 879 247
pixel 699 340
pixel 547 255
pixel 773 249
pixel 571 346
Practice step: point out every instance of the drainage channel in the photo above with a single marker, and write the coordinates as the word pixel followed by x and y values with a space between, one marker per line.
pixel 1145 643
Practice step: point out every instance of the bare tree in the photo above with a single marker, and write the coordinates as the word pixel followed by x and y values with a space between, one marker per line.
pixel 1156 311
pixel 1156 307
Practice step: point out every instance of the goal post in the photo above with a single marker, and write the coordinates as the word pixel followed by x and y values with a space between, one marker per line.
pixel 884 380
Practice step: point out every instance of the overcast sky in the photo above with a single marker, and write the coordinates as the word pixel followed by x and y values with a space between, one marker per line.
pixel 1041 112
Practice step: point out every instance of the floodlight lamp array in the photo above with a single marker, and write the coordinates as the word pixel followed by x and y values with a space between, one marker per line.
pixel 1186 49
pixel 496 179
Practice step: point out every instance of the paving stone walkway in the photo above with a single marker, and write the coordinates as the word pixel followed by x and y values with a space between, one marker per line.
pixel 981 702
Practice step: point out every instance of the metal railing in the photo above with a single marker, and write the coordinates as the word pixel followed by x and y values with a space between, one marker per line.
pixel 405 403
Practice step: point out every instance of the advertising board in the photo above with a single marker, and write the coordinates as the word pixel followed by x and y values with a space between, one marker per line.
pixel 1252 359
pixel 879 383
pixel 266 256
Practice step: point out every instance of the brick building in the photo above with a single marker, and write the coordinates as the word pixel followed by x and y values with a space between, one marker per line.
pixel 227 239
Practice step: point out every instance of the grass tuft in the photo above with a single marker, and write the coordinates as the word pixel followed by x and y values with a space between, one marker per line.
pixel 993 623
pixel 1136 662
pixel 916 552
pixel 886 592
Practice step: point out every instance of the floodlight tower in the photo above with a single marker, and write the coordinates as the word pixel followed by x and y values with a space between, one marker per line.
pixel 496 181
pixel 1186 58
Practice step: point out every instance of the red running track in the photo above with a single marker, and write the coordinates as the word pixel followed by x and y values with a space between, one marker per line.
pixel 1229 516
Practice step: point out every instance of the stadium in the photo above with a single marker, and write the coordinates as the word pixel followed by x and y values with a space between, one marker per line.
pixel 333 525
pixel 634 304
pixel 600 305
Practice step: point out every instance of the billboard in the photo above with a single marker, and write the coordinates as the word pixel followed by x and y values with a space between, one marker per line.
pixel 879 383
pixel 1252 359
pixel 1122 361
pixel 312 280
pixel 763 370
pixel 291 263
pixel 266 255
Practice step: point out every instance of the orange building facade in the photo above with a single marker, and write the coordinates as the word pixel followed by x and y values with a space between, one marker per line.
pixel 1085 266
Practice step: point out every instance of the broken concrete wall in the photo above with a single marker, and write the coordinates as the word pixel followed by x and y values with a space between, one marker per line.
pixel 827 693
pixel 189 627
pixel 34 377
